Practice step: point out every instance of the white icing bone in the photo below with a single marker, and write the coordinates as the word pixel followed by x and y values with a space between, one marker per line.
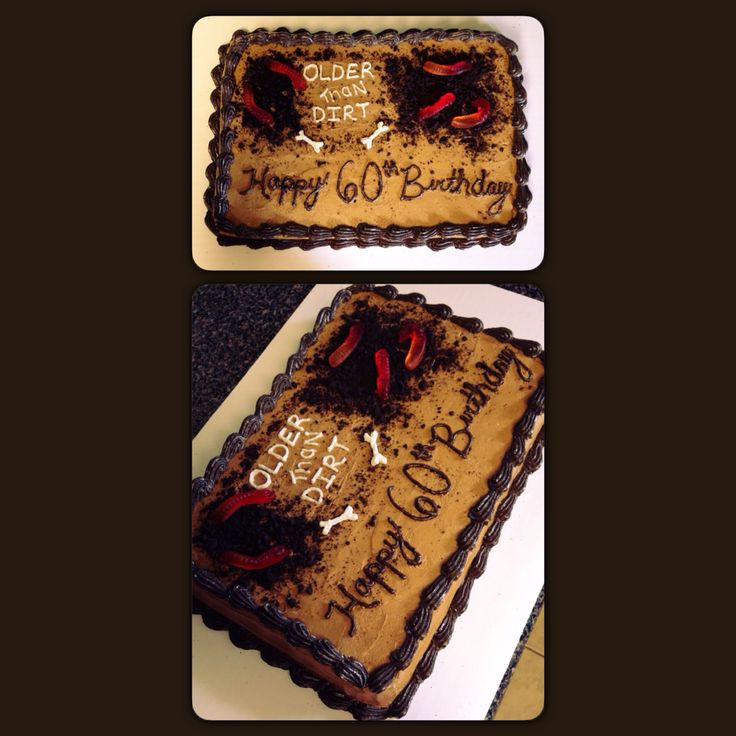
pixel 373 439
pixel 368 142
pixel 315 144
pixel 346 515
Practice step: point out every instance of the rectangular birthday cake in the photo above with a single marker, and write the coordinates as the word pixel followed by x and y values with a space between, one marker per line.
pixel 411 138
pixel 343 525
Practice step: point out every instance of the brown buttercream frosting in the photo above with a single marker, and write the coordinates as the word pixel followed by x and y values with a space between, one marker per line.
pixel 361 605
pixel 376 169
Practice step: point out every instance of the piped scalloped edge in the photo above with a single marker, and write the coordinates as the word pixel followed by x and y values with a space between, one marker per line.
pixel 324 651
pixel 292 234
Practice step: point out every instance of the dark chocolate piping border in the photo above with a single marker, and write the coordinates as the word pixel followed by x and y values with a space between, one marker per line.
pixel 330 695
pixel 292 234
pixel 295 631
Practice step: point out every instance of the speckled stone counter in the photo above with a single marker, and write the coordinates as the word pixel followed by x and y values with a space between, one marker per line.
pixel 232 324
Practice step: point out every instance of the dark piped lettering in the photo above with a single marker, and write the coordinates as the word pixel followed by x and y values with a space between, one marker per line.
pixel 347 610
pixel 290 189
pixel 424 505
pixel 374 575
pixel 449 439
pixel 432 471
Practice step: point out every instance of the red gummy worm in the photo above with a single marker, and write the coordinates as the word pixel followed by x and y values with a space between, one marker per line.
pixel 297 80
pixel 342 353
pixel 383 379
pixel 230 505
pixel 261 115
pixel 415 332
pixel 255 562
pixel 482 109
pixel 431 110
pixel 448 70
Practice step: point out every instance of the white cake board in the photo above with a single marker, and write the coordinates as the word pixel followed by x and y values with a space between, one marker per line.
pixel 233 684
pixel 526 253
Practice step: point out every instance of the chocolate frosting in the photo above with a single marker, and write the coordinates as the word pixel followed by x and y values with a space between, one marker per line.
pixel 293 234
pixel 296 632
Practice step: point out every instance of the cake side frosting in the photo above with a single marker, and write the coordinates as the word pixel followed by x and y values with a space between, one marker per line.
pixel 368 147
pixel 390 552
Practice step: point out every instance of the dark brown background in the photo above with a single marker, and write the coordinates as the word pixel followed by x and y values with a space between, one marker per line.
pixel 98 284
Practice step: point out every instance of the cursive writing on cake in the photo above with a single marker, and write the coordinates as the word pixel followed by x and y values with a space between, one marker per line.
pixel 375 574
pixel 285 188
pixel 460 439
pixel 415 184
pixel 432 481
pixel 371 182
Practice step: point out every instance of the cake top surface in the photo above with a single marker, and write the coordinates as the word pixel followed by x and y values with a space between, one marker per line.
pixel 374 481
pixel 401 130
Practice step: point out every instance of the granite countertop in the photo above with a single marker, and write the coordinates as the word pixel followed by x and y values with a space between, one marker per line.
pixel 231 326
